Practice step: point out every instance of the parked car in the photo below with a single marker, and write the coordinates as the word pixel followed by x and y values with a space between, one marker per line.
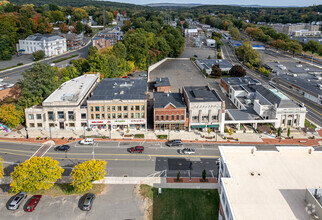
pixel 17 200
pixel 62 148
pixel 137 149
pixel 195 56
pixel 125 77
pixel 33 203
pixel 187 151
pixel 174 143
pixel 87 141
pixel 88 202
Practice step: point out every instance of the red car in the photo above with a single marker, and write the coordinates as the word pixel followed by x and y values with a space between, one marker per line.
pixel 125 77
pixel 137 149
pixel 33 203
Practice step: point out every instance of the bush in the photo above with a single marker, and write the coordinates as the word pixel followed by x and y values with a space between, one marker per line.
pixel 192 58
pixel 139 136
pixel 19 64
pixel 38 55
pixel 162 137
pixel 264 71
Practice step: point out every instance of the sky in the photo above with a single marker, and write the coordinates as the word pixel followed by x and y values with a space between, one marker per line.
pixel 229 2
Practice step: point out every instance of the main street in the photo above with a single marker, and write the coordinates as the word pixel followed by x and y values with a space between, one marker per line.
pixel 314 111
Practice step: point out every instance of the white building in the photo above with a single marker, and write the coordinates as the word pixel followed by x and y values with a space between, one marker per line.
pixel 207 64
pixel 284 183
pixel 211 43
pixel 66 107
pixel 191 32
pixel 50 44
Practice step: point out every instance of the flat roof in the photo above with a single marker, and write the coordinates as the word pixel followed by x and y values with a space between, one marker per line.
pixel 44 37
pixel 243 115
pixel 162 82
pixel 277 188
pixel 120 89
pixel 201 94
pixel 239 80
pixel 164 99
pixel 72 91
pixel 208 63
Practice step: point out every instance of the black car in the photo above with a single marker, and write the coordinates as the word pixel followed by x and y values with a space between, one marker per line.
pixel 195 56
pixel 174 143
pixel 88 202
pixel 62 148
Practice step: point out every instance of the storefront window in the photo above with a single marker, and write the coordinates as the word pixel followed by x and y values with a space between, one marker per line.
pixel 137 115
pixel 137 108
pixel 97 108
pixel 119 115
pixel 97 116
pixel 125 108
pixel 119 108
pixel 125 115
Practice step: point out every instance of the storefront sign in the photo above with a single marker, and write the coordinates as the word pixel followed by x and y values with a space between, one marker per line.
pixel 97 122
pixel 137 121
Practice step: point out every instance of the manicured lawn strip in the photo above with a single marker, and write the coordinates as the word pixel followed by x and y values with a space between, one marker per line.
pixel 309 125
pixel 65 58
pixel 19 64
pixel 185 204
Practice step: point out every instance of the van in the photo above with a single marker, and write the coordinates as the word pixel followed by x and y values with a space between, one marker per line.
pixel 87 141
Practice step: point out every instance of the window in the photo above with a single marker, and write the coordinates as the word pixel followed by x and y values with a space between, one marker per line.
pixel 204 118
pixel 32 125
pixel 71 115
pixel 142 115
pixel 102 108
pixel 132 107
pixel 84 124
pixel 31 116
pixel 157 117
pixel 172 117
pixel 194 117
pixel 108 108
pixel 119 108
pixel 92 116
pixel 124 108
pixel 283 122
pixel 214 117
pixel 109 116
pixel 113 108
pixel 119 115
pixel 83 116
pixel 97 108
pixel 167 117
pixel 72 125
pixel 125 115
pixel 51 125
pixel 113 115
pixel 177 117
pixel 103 116
pixel 142 107
pixel 137 115
pixel 39 125
pixel 38 116
pixel 162 118
pixel 294 120
pixel 137 108
pixel 132 115
pixel 97 116
pixel 92 108
pixel 60 115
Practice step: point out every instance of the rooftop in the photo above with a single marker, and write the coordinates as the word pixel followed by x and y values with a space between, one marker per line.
pixel 72 91
pixel 120 89
pixel 276 190
pixel 239 81
pixel 243 115
pixel 164 99
pixel 44 37
pixel 208 63
pixel 201 94
pixel 162 82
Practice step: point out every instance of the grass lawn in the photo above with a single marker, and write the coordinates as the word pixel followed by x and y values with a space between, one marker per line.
pixel 183 204
pixel 309 125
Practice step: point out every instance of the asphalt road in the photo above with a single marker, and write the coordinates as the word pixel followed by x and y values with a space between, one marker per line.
pixel 314 113
pixel 12 76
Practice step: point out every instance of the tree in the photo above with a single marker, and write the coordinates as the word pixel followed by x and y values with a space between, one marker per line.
pixel 209 131
pixel 8 35
pixel 38 55
pixel 204 175
pixel 37 84
pixel 237 71
pixel 55 16
pixel 84 174
pixel 185 24
pixel 119 50
pixel 234 32
pixel 63 28
pixel 10 115
pixel 178 175
pixel 230 131
pixel 79 27
pixel 78 14
pixel 37 173
pixel 216 34
pixel 288 132
pixel 1 168
pixel 246 53
pixel 216 71
pixel 294 46
pixel 313 46
pixel 279 131
pixel 88 29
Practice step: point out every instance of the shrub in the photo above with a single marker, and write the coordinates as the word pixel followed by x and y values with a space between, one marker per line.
pixel 139 136
pixel 38 55
pixel 264 71
pixel 192 58
pixel 19 64
pixel 162 137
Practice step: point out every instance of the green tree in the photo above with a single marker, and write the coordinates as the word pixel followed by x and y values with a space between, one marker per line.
pixel 38 55
pixel 246 53
pixel 119 50
pixel 294 46
pixel 8 35
pixel 79 27
pixel 92 51
pixel 215 71
pixel 185 24
pixel 78 14
pixel 81 65
pixel 10 115
pixel 216 34
pixel 55 16
pixel 237 71
pixel 313 46
pixel 234 32
pixel 288 132
pixel 84 174
pixel 37 173
pixel 37 84
pixel 204 175
pixel 178 175
pixel 279 131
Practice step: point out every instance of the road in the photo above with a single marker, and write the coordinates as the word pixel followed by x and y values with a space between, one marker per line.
pixel 157 159
pixel 12 76
pixel 314 113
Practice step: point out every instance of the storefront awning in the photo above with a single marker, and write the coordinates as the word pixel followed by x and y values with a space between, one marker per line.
pixel 198 126
pixel 213 126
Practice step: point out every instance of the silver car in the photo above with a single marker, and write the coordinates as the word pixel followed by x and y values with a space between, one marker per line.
pixel 88 202
pixel 17 200
pixel 187 151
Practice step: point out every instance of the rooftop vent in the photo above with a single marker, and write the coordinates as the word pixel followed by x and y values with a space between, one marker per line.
pixel 122 92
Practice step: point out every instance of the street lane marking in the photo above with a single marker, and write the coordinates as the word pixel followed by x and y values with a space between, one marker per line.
pixel 5 152
pixel 17 150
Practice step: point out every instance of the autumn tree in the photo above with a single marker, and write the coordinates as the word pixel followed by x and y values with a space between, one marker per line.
pixel 10 115
pixel 215 71
pixel 55 16
pixel 84 174
pixel 237 71
pixel 78 14
pixel 1 168
pixel 234 32
pixel 63 28
pixel 37 173
pixel 294 46
pixel 249 55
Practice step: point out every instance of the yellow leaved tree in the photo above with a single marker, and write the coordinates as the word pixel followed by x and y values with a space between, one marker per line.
pixel 1 168
pixel 84 174
pixel 10 115
pixel 37 173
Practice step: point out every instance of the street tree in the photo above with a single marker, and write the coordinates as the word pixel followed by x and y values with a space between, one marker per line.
pixel 37 173
pixel 215 71
pixel 38 55
pixel 10 115
pixel 294 46
pixel 204 175
pixel 237 71
pixel 1 168
pixel 78 27
pixel 249 55
pixel 288 132
pixel 84 174
pixel 185 24
pixel 234 32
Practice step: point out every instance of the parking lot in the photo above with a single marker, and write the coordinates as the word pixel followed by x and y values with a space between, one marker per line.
pixel 117 202
pixel 199 53
pixel 180 73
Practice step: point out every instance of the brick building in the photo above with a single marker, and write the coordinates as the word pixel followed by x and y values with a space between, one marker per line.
pixel 162 85
pixel 102 42
pixel 169 112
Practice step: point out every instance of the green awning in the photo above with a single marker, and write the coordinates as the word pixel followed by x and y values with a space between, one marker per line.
pixel 198 126
pixel 213 126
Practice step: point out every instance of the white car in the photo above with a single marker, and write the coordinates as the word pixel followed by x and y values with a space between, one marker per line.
pixel 187 151
pixel 87 141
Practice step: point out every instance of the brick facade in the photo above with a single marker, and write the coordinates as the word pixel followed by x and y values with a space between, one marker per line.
pixel 224 85
pixel 170 117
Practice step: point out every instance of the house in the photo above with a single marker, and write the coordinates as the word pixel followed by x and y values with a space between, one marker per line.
pixel 191 32
pixel 74 41
pixel 65 108
pixel 169 112
pixel 51 44
pixel 114 33
pixel 207 64
pixel 211 43
pixel 162 85
pixel 102 42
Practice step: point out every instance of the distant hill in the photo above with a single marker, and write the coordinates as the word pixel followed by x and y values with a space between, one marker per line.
pixel 173 5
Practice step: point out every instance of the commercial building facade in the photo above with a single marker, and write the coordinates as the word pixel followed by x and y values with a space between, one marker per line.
pixel 119 104
pixel 300 29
